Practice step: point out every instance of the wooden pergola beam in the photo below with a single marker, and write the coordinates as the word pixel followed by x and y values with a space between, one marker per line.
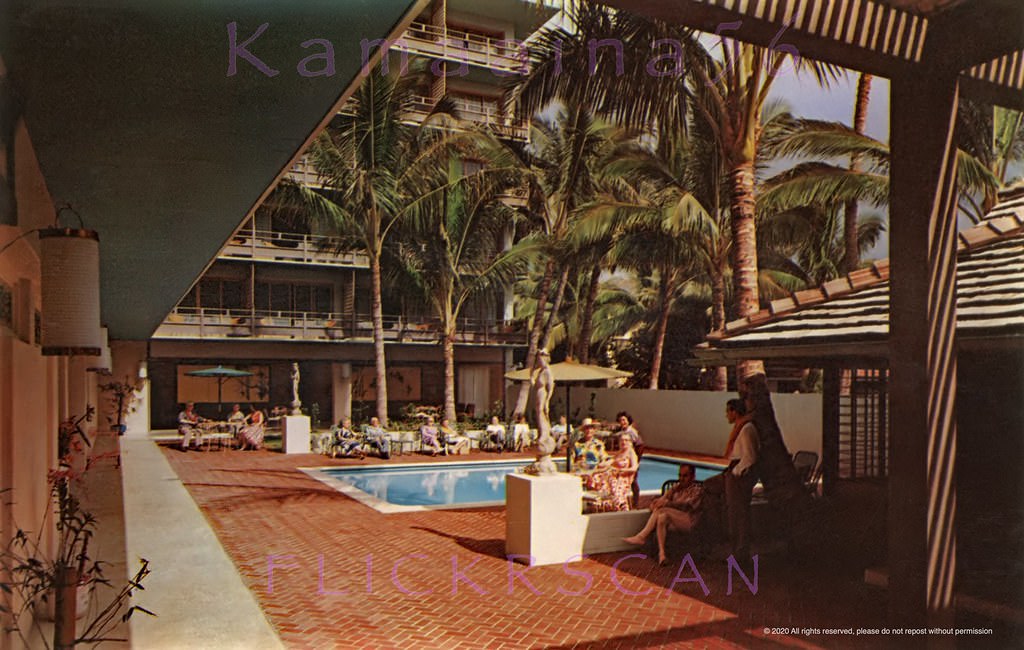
pixel 711 19
pixel 968 34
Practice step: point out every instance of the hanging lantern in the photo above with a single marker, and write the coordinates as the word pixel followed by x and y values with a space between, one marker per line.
pixel 70 291
pixel 102 364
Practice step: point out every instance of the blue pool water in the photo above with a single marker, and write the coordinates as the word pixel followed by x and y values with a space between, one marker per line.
pixel 478 483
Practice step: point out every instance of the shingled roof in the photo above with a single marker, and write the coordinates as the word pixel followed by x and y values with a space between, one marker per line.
pixel 855 308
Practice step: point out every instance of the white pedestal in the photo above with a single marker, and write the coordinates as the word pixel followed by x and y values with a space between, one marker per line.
pixel 543 518
pixel 295 434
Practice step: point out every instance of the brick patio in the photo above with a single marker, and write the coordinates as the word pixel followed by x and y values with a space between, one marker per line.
pixel 425 570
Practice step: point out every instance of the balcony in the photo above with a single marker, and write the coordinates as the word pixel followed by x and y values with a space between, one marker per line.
pixel 481 111
pixel 452 44
pixel 261 325
pixel 288 248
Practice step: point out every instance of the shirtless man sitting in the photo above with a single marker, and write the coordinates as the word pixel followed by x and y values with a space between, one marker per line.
pixel 678 509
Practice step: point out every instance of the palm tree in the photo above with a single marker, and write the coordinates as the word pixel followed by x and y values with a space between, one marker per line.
pixel 995 137
pixel 567 150
pixel 375 167
pixel 735 92
pixel 821 184
pixel 851 254
pixel 453 253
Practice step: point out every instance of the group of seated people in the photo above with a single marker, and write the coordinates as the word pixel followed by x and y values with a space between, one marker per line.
pixel 443 439
pixel 342 440
pixel 613 475
pixel 246 429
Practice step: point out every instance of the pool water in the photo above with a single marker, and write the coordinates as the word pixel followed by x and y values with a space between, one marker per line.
pixel 475 483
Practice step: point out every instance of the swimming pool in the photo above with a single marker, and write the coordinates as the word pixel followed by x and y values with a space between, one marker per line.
pixel 402 488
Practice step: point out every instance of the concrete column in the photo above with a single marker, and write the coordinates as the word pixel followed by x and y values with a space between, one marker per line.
pixel 922 348
pixel 341 390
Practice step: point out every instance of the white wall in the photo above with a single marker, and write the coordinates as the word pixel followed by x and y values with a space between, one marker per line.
pixel 695 420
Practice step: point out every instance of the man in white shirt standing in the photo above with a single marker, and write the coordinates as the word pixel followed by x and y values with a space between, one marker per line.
pixel 740 477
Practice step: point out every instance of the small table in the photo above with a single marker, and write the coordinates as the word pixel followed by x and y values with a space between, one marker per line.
pixel 398 446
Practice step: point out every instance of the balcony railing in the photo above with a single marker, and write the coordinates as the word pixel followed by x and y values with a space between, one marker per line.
pixel 292 248
pixel 244 324
pixel 452 44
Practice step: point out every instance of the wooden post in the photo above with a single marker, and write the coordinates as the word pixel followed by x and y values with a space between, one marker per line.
pixel 922 351
pixel 830 428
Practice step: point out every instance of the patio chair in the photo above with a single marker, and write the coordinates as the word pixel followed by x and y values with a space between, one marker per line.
pixel 806 463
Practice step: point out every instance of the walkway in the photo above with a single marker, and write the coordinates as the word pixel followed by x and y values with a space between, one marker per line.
pixel 194 588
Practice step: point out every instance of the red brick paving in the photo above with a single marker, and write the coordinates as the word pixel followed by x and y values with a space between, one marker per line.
pixel 348 576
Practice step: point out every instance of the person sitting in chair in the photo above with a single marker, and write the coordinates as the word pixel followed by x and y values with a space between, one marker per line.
pixel 345 440
pixel 495 433
pixel 429 435
pixel 520 433
pixel 561 432
pixel 679 509
pixel 588 452
pixel 615 475
pixel 451 440
pixel 377 438
pixel 251 436
pixel 236 419
pixel 188 426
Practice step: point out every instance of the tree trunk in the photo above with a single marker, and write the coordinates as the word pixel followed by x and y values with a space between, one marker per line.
pixel 659 338
pixel 378 343
pixel 448 344
pixel 556 306
pixel 744 248
pixel 587 324
pixel 851 245
pixel 535 332
pixel 720 374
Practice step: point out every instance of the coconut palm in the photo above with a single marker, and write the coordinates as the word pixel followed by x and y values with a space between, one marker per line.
pixel 453 254
pixel 820 183
pixel 375 169
pixel 995 137
pixel 560 168
pixel 851 244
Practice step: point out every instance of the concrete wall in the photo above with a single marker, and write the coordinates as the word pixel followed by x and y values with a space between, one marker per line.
pixel 693 420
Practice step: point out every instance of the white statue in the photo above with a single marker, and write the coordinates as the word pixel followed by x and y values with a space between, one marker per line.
pixel 543 386
pixel 296 402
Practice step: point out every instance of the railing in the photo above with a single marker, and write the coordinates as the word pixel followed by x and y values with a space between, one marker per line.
pixel 457 45
pixel 206 323
pixel 294 248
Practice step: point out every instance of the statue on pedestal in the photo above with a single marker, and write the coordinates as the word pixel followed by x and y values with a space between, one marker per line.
pixel 296 402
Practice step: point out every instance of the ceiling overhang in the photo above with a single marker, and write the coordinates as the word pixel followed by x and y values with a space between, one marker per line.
pixel 139 124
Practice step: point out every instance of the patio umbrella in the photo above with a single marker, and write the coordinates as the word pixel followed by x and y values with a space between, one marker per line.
pixel 221 373
pixel 571 371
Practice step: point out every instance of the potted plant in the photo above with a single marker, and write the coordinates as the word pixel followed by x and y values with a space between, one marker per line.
pixel 122 396
pixel 51 584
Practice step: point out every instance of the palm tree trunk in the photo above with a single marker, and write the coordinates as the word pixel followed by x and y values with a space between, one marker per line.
pixel 744 247
pixel 851 244
pixel 448 344
pixel 378 342
pixel 659 338
pixel 556 306
pixel 720 374
pixel 535 332
pixel 587 324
